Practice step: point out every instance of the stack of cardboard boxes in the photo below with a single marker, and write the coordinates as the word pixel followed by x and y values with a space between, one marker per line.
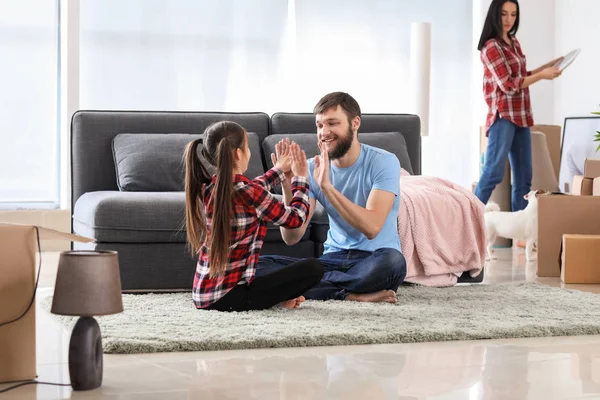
pixel 588 184
pixel 569 230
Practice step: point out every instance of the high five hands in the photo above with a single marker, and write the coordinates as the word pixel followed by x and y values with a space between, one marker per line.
pixel 290 158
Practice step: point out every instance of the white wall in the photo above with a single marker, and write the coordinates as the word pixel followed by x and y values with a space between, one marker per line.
pixel 549 29
pixel 480 9
pixel 577 91
pixel 537 36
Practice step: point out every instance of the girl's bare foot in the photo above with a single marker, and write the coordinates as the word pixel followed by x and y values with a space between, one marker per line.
pixel 293 303
pixel 383 296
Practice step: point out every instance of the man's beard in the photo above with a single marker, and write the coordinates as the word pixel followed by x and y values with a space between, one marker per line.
pixel 342 146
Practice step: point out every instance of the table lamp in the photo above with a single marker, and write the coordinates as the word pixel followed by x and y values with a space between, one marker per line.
pixel 88 284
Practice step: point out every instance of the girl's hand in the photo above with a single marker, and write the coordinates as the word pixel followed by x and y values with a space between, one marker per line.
pixel 283 157
pixel 299 163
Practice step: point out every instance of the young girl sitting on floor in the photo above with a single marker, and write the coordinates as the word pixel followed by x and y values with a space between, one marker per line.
pixel 226 222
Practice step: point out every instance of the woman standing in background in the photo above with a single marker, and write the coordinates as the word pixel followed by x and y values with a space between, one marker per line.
pixel 506 82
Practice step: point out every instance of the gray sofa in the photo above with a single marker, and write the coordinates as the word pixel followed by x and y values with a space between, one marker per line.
pixel 127 183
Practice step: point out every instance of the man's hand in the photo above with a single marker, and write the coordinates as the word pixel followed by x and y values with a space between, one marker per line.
pixel 283 158
pixel 321 172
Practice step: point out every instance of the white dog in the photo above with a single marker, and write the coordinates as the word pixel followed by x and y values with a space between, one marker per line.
pixel 518 225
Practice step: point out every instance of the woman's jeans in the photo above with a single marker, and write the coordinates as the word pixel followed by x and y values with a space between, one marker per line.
pixel 505 139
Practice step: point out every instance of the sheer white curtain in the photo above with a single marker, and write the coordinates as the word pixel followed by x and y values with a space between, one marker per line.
pixel 278 55
pixel 28 101
pixel 207 55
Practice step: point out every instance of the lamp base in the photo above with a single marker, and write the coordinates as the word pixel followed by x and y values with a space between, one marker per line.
pixel 85 355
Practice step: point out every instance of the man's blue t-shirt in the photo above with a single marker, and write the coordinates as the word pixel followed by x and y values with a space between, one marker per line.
pixel 374 169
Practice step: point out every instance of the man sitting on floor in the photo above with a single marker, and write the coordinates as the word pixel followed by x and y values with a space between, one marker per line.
pixel 360 192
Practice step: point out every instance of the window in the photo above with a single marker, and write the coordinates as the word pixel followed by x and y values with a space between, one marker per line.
pixel 277 55
pixel 180 55
pixel 227 55
pixel 29 134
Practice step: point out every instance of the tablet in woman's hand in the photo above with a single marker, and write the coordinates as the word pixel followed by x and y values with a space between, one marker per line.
pixel 567 60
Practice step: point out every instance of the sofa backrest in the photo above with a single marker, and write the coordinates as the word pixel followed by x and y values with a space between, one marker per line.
pixel 92 132
pixel 407 124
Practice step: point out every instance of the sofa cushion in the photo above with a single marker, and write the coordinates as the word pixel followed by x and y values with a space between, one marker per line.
pixel 139 217
pixel 153 162
pixel 393 142
pixel 134 217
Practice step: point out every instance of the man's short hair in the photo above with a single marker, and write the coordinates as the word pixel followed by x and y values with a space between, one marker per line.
pixel 344 100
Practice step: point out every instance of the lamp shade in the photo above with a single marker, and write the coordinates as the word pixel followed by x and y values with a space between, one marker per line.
pixel 88 283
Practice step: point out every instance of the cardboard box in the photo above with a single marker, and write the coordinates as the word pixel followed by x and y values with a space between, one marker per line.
pixel 582 186
pixel 596 187
pixel 560 214
pixel 18 250
pixel 591 168
pixel 580 259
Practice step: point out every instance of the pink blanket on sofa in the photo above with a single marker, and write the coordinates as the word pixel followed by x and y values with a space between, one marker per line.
pixel 442 231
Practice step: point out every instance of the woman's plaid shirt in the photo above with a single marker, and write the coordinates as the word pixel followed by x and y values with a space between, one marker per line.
pixel 504 70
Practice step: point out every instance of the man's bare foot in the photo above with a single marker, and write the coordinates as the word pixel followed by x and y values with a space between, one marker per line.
pixel 383 296
pixel 293 303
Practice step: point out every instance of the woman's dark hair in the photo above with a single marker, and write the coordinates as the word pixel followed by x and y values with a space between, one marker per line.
pixel 492 28
pixel 219 142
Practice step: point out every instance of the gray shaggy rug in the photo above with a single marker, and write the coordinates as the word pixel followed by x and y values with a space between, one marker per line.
pixel 170 322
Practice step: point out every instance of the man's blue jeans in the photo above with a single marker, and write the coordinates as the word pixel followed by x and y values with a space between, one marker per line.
pixel 350 271
pixel 505 139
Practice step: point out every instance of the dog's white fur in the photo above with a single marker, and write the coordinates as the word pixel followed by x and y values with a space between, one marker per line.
pixel 518 225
